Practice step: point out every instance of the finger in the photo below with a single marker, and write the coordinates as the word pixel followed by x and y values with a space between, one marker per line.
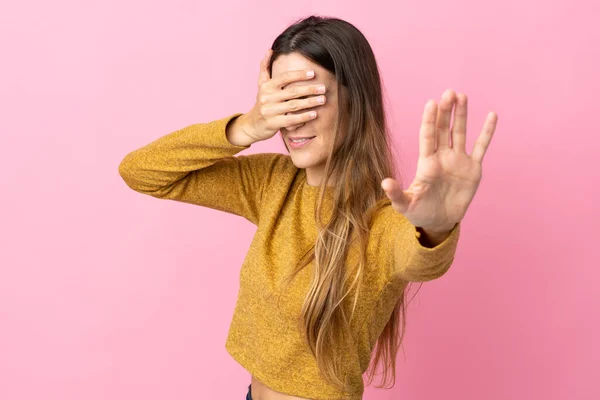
pixel 394 192
pixel 443 119
pixel 294 105
pixel 292 76
pixel 427 132
pixel 484 139
pixel 294 119
pixel 293 127
pixel 264 68
pixel 459 127
pixel 295 92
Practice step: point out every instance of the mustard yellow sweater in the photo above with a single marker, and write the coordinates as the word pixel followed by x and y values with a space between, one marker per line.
pixel 197 165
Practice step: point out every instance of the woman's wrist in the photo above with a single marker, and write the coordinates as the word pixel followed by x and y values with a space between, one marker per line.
pixel 432 237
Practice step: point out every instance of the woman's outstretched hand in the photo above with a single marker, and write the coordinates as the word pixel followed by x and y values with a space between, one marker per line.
pixel 447 177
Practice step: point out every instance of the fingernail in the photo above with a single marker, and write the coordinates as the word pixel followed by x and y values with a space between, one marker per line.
pixel 310 74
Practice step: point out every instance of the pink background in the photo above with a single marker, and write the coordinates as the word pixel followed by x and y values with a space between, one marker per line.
pixel 109 294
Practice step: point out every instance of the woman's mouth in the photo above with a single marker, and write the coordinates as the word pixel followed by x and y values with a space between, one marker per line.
pixel 298 144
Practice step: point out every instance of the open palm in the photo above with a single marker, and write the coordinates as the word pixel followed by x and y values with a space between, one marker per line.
pixel 447 177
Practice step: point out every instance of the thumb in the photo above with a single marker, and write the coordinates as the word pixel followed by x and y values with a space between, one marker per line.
pixel 394 192
pixel 264 68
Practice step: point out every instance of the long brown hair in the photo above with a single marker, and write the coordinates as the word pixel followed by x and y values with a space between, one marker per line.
pixel 359 163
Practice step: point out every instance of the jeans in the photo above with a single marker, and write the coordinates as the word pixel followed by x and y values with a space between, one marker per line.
pixel 249 395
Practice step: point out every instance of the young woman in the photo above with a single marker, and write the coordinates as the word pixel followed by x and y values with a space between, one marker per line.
pixel 338 240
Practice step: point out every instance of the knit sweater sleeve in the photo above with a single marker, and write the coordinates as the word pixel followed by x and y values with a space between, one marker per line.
pixel 411 260
pixel 196 165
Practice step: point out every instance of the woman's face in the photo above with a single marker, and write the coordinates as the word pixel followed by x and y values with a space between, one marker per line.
pixel 313 155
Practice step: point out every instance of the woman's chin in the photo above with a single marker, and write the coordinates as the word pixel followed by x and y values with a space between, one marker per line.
pixel 301 161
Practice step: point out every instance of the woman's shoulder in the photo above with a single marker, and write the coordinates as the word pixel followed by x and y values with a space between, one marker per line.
pixel 274 169
pixel 275 162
